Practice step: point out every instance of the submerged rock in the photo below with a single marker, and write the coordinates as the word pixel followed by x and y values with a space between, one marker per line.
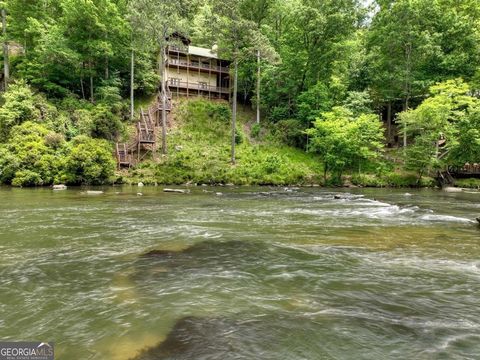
pixel 159 254
pixel 478 219
pixel 213 256
pixel 194 338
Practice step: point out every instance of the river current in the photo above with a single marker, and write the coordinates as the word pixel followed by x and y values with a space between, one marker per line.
pixel 242 273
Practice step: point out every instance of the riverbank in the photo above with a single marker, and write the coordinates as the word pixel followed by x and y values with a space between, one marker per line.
pixel 199 153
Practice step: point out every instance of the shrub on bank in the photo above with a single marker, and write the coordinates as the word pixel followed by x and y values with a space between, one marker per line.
pixel 392 179
pixel 27 178
pixel 89 161
pixel 34 156
pixel 470 183
pixel 368 180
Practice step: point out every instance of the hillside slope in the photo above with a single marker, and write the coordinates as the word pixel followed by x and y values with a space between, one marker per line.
pixel 199 152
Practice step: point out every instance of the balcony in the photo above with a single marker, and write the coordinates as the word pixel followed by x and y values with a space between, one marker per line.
pixel 178 49
pixel 200 87
pixel 196 65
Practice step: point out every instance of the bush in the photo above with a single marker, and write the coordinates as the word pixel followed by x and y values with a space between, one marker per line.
pixel 54 140
pixel 29 150
pixel 468 183
pixel 105 124
pixel 291 132
pixel 219 111
pixel 402 180
pixel 9 164
pixel 368 180
pixel 19 106
pixel 239 136
pixel 89 161
pixel 255 131
pixel 27 178
pixel 272 163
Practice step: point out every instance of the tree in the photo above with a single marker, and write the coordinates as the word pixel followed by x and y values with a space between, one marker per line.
pixel 466 148
pixel 233 31
pixel 437 125
pixel 344 141
pixel 264 51
pixel 18 107
pixel 412 44
pixel 139 43
pixel 6 63
pixel 160 19
pixel 307 35
pixel 89 161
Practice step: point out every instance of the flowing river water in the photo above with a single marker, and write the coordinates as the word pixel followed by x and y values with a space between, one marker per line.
pixel 251 273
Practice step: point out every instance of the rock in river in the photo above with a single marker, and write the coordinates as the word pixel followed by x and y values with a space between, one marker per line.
pixel 59 187
pixel 179 191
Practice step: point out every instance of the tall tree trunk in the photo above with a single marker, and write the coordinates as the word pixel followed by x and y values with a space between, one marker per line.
pixel 389 121
pixel 164 100
pixel 92 99
pixel 6 63
pixel 258 87
pixel 107 74
pixel 405 125
pixel 132 78
pixel 81 87
pixel 234 106
pixel 407 85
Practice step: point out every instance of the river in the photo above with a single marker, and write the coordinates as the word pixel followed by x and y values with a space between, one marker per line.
pixel 242 273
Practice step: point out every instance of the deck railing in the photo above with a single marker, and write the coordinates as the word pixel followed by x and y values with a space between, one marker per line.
pixel 467 169
pixel 197 86
pixel 197 65
pixel 178 48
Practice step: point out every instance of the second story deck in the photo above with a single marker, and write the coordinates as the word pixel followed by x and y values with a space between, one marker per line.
pixel 196 86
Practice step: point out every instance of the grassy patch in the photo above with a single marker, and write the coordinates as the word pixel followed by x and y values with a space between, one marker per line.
pixel 392 179
pixel 471 183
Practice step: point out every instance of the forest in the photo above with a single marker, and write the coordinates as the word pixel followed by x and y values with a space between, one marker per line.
pixel 385 92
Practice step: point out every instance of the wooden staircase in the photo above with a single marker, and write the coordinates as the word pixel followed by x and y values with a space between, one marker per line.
pixel 145 140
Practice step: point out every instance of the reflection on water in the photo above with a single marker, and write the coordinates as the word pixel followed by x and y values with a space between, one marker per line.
pixel 254 274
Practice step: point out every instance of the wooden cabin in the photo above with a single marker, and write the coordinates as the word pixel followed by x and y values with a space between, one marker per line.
pixel 196 71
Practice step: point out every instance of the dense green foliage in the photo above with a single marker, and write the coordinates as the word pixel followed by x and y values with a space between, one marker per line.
pixel 43 144
pixel 444 128
pixel 346 142
pixel 329 71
